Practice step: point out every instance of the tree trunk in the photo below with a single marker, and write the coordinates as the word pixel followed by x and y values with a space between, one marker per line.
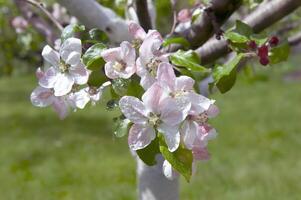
pixel 153 185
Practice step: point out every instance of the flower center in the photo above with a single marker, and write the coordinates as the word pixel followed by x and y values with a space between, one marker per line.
pixel 154 119
pixel 136 43
pixel 119 66
pixel 93 90
pixel 201 119
pixel 178 93
pixel 152 66
pixel 64 67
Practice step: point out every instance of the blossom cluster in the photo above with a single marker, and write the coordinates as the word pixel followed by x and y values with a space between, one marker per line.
pixel 64 84
pixel 169 106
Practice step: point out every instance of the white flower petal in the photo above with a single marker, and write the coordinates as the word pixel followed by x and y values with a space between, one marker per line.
pixel 140 136
pixel 112 54
pixel 189 132
pixel 133 109
pixel 153 97
pixel 79 73
pixel 79 99
pixel 171 135
pixel 63 85
pixel 70 45
pixel 199 103
pixel 166 75
pixel 49 78
pixel 61 108
pixel 184 83
pixel 73 58
pixel 41 97
pixel 51 56
pixel 168 171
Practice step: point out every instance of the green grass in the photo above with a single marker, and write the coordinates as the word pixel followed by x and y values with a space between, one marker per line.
pixel 256 155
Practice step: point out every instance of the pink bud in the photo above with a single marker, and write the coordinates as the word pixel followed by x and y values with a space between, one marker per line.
pixel 184 15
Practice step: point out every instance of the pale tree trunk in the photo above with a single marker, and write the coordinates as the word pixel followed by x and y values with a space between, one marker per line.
pixel 153 185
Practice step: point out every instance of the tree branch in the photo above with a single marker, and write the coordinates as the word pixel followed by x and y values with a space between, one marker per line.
pixel 93 15
pixel 143 14
pixel 295 39
pixel 260 19
pixel 200 31
pixel 41 25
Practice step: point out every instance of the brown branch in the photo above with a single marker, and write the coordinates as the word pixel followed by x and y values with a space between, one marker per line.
pixel 295 39
pixel 143 15
pixel 45 11
pixel 41 25
pixel 204 27
pixel 260 19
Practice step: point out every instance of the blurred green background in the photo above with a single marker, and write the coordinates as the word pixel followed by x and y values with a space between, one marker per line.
pixel 255 156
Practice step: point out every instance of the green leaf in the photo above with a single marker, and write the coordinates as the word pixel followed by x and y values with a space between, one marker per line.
pixel 279 53
pixel 120 86
pixel 180 160
pixel 70 31
pixel 235 37
pixel 96 78
pixel 122 126
pixel 225 76
pixel 243 28
pixel 188 59
pixel 92 57
pixel 148 154
pixel 195 15
pixel 97 35
pixel 176 40
pixel 135 89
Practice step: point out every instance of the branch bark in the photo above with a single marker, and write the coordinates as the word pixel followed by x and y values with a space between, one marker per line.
pixel 41 25
pixel 260 19
pixel 295 39
pixel 94 15
pixel 203 29
pixel 143 14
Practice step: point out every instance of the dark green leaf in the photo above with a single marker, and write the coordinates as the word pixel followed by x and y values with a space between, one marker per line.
pixel 135 89
pixel 120 86
pixel 96 78
pixel 92 57
pixel 176 40
pixel 188 59
pixel 180 160
pixel 225 76
pixel 148 154
pixel 97 35
pixel 279 53
pixel 70 31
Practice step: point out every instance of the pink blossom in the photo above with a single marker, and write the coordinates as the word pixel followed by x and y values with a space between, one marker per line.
pixel 43 97
pixel 184 15
pixel 66 67
pixel 19 23
pixel 120 61
pixel 181 88
pixel 156 111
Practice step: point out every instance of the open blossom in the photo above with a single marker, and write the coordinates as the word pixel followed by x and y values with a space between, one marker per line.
pixel 150 55
pixel 120 61
pixel 66 67
pixel 181 88
pixel 156 111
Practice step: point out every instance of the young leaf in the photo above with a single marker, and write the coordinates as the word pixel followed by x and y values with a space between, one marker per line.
pixel 70 31
pixel 180 160
pixel 225 76
pixel 148 154
pixel 96 78
pixel 188 59
pixel 176 40
pixel 243 28
pixel 97 35
pixel 92 57
pixel 279 53
pixel 235 37
pixel 120 86
pixel 122 127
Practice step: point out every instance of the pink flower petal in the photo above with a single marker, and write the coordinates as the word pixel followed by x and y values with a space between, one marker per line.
pixel 184 83
pixel 136 31
pixel 199 103
pixel 171 135
pixel 51 55
pixel 60 107
pixel 112 54
pixel 70 45
pixel 174 111
pixel 133 109
pixel 49 78
pixel 63 85
pixel 41 97
pixel 39 73
pixel 166 75
pixel 140 136
pixel 200 153
pixel 110 71
pixel 128 53
pixel 212 111
pixel 189 132
pixel 79 73
pixel 153 97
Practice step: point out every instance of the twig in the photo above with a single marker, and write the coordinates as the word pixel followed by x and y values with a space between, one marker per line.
pixel 143 14
pixel 45 11
pixel 174 13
